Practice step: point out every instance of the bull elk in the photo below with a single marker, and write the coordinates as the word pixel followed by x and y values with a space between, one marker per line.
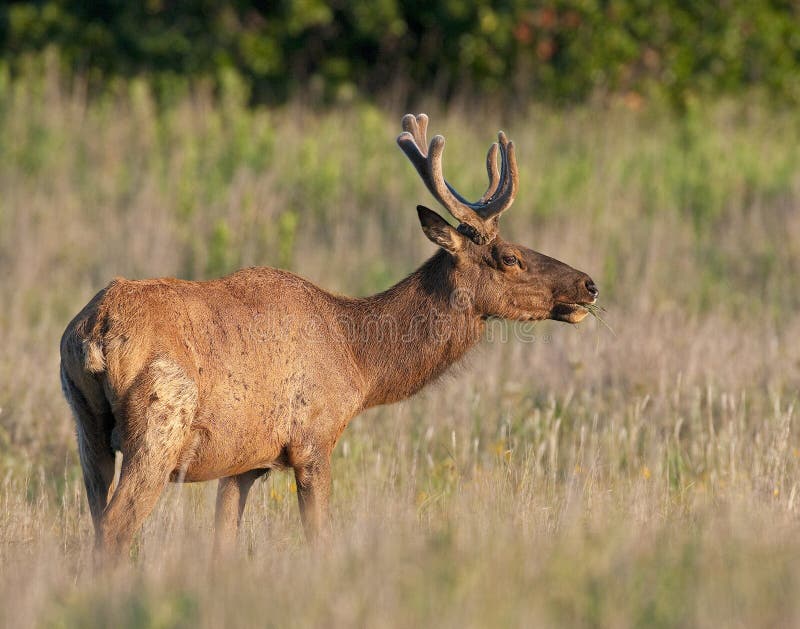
pixel 231 378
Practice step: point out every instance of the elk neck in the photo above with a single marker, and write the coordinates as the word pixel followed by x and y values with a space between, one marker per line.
pixel 408 335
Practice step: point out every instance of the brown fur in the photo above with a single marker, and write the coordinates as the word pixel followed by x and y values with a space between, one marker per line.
pixel 230 378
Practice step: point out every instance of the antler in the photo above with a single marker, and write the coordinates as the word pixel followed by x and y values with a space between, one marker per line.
pixel 478 219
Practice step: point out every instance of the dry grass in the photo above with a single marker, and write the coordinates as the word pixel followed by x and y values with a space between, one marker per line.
pixel 573 479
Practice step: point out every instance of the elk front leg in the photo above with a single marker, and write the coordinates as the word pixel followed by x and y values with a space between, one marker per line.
pixel 231 499
pixel 313 492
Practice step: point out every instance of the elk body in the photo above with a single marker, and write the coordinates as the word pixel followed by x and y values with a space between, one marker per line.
pixel 231 378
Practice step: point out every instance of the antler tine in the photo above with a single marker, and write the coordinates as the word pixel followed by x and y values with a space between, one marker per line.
pixel 461 209
pixel 417 127
pixel 494 180
pixel 503 180
pixel 422 127
pixel 429 166
pixel 506 191
pixel 493 171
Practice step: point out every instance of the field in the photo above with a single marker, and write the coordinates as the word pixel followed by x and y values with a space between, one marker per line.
pixel 560 476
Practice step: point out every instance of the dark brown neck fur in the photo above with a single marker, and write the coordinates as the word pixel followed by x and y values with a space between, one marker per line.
pixel 406 336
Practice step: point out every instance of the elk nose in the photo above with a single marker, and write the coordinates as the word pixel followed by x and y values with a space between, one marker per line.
pixel 592 288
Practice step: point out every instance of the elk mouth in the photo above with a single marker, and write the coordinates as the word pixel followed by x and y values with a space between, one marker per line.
pixel 570 312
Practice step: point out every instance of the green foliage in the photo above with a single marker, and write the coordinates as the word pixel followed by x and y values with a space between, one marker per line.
pixel 219 250
pixel 287 232
pixel 557 50
pixel 140 609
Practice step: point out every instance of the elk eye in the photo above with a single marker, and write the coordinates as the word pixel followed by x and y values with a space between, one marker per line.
pixel 509 260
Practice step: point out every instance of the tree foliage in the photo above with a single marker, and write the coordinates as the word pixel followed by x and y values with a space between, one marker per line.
pixel 554 51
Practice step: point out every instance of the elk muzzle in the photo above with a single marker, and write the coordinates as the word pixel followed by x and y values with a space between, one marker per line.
pixel 569 307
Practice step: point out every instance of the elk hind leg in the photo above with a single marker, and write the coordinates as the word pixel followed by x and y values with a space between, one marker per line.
pixel 94 423
pixel 158 414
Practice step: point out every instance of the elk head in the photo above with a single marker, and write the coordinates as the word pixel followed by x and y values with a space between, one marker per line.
pixel 504 279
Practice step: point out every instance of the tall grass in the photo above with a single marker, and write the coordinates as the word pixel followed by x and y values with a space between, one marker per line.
pixel 576 478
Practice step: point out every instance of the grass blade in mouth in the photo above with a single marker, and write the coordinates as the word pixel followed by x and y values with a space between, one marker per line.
pixel 595 311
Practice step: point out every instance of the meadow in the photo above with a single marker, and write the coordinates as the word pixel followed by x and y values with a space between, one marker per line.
pixel 560 476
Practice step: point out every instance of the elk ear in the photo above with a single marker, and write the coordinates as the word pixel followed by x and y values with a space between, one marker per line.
pixel 439 231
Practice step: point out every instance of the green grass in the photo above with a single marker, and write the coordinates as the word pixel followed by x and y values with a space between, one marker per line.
pixel 596 311
pixel 562 476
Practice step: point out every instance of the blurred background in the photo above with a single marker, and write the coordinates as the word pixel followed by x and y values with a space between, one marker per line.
pixel 645 477
pixel 512 52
